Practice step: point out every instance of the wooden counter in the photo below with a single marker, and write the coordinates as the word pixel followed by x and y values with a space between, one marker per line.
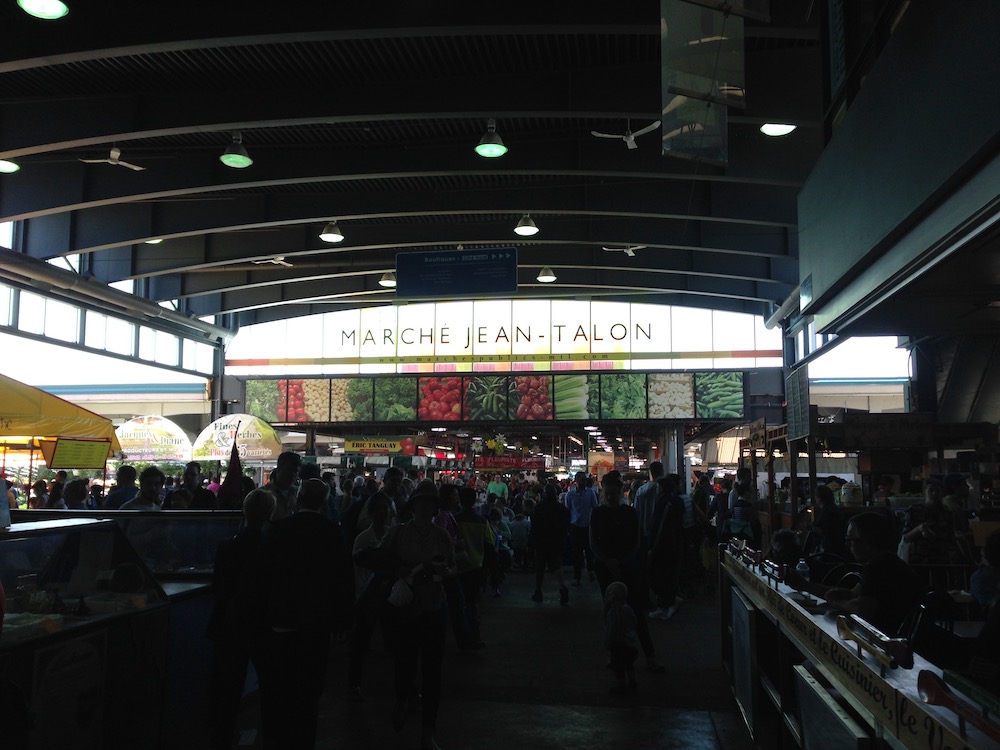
pixel 772 646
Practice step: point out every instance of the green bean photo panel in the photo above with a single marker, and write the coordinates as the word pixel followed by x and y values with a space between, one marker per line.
pixel 718 395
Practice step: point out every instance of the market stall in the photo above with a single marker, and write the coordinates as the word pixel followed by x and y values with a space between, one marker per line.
pixel 36 424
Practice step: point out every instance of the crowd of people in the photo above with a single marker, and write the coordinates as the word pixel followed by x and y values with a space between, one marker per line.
pixel 413 558
pixel 321 555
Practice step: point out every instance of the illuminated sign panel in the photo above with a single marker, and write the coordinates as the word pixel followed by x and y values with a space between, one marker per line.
pixel 505 335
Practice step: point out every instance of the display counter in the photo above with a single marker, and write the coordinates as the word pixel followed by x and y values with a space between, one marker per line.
pixel 798 684
pixel 176 545
pixel 84 639
pixel 177 550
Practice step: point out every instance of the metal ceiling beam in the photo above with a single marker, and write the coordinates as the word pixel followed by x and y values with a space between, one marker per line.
pixel 647 267
pixel 68 184
pixel 54 124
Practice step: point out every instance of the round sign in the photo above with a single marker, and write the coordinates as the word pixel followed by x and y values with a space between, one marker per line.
pixel 255 439
pixel 153 439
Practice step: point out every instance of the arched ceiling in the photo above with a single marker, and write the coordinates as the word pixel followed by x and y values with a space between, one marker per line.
pixel 368 114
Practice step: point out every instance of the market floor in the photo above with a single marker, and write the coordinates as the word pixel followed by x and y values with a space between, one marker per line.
pixel 542 683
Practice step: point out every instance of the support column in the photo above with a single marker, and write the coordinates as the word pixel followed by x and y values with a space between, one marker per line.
pixel 672 442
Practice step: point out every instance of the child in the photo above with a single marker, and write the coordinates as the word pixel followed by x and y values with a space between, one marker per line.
pixel 519 540
pixel 620 637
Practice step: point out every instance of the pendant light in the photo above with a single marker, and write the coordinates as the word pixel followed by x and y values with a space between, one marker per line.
pixel 331 233
pixel 388 279
pixel 236 155
pixel 47 10
pixel 526 226
pixel 8 167
pixel 777 129
pixel 491 144
pixel 546 276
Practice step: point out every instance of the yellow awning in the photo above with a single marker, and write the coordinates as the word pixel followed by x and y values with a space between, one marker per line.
pixel 29 415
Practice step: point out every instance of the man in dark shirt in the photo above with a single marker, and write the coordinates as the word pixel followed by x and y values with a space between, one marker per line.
pixel 310 595
pixel 614 537
pixel 830 523
pixel 190 494
pixel 888 592
pixel 548 534
pixel 125 488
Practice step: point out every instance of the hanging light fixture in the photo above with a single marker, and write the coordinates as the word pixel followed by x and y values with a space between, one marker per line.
pixel 777 129
pixel 47 10
pixel 8 167
pixel 526 226
pixel 388 279
pixel 154 241
pixel 491 144
pixel 236 155
pixel 331 233
pixel 546 276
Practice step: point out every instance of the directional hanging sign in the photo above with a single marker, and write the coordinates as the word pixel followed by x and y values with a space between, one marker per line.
pixel 457 273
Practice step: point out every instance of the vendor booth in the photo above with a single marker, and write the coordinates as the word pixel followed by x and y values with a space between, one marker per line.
pixel 67 436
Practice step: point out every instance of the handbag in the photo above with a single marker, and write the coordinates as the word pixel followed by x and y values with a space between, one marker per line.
pixel 904 549
pixel 401 594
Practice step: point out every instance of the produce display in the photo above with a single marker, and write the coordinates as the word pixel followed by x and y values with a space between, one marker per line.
pixel 358 397
pixel 340 408
pixel 623 396
pixel 719 395
pixel 263 399
pixel 395 399
pixel 440 399
pixel 531 397
pixel 487 396
pixel 500 397
pixel 572 394
pixel 671 395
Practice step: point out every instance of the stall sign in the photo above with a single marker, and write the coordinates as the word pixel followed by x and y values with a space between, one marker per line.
pixel 70 453
pixel 153 438
pixel 519 463
pixel 255 439
pixel 380 446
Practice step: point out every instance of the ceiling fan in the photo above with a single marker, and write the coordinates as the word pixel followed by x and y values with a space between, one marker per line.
pixel 629 137
pixel 115 160
pixel 629 250
pixel 277 261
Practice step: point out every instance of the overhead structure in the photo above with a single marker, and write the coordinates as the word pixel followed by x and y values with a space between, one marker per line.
pixel 388 150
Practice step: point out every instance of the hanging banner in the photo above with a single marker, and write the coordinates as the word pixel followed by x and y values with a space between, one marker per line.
pixel 155 439
pixel 518 463
pixel 256 440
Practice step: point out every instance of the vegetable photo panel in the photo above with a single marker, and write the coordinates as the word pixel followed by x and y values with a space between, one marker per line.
pixel 530 398
pixel 395 399
pixel 623 396
pixel 487 397
pixel 440 399
pixel 572 396
pixel 719 395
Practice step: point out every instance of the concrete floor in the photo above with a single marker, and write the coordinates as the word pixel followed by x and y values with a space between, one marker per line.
pixel 542 683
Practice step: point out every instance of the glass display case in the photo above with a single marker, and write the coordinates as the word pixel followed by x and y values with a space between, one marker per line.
pixel 68 573
pixel 176 545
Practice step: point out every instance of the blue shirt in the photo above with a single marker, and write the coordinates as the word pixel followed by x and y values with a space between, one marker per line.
pixel 581 505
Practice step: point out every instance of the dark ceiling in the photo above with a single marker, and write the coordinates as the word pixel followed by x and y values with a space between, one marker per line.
pixel 368 114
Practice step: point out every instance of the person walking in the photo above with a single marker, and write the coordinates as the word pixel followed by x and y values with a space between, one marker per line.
pixel 425 556
pixel 549 523
pixel 237 624
pixel 478 544
pixel 614 537
pixel 581 501
pixel 310 597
